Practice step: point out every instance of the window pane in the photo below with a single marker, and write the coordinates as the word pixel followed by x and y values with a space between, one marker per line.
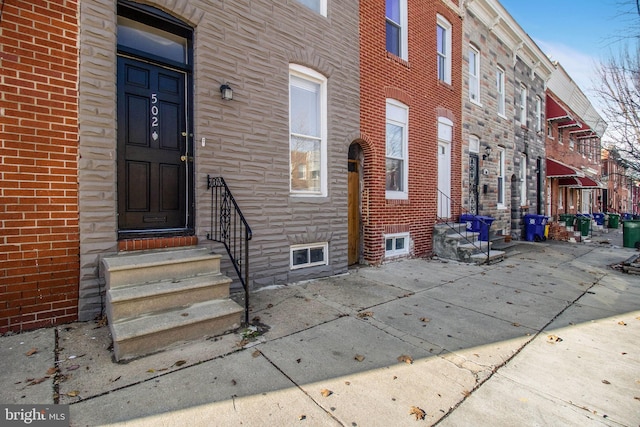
pixel 393 10
pixel 399 243
pixel 311 4
pixel 300 256
pixel 152 40
pixel 394 141
pixel 472 62
pixel 305 107
pixel 440 34
pixel 393 38
pixel 389 245
pixel 394 175
pixel 305 156
pixel 317 255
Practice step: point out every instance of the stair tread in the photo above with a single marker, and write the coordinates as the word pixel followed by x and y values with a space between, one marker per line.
pixel 133 260
pixel 492 254
pixel 168 286
pixel 166 320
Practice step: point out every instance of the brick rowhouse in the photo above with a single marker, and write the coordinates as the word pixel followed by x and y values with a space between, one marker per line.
pixel 413 82
pixel 39 241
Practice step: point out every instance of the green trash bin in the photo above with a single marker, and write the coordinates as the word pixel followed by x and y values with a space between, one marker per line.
pixel 583 224
pixel 631 233
pixel 614 220
pixel 568 219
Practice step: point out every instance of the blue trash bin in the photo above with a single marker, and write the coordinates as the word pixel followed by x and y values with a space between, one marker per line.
pixel 627 216
pixel 599 217
pixel 534 226
pixel 478 224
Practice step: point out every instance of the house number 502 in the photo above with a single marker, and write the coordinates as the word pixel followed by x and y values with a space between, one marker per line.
pixel 154 116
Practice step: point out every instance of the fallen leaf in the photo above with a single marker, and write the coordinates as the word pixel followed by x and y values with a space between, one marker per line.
pixel 605 382
pixel 73 367
pixel 365 314
pixel 419 413
pixel 359 357
pixel 302 417
pixel 326 393
pixel 151 370
pixel 256 319
pixel 256 353
pixel 554 338
pixel 38 381
pixel 298 360
pixel 347 383
pixel 31 352
pixel 52 371
pixel 184 314
pixel 636 397
pixel 621 323
pixel 466 393
pixel 180 363
pixel 269 305
pixel 425 319
pixel 405 358
pixel 116 379
pixel 73 393
pixel 516 324
pixel 234 382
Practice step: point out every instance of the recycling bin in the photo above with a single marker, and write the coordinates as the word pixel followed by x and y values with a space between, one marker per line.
pixel 535 227
pixel 478 224
pixel 599 217
pixel 583 223
pixel 568 219
pixel 614 220
pixel 626 216
pixel 631 234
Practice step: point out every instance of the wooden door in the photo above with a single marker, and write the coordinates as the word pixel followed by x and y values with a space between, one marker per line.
pixel 353 212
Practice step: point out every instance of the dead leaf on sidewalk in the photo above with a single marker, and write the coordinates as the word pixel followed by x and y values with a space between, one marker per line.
pixel 364 314
pixel 31 352
pixel 256 354
pixel 553 338
pixel 180 363
pixel 359 357
pixel 516 324
pixel 406 359
pixel 605 382
pixel 417 412
pixel 73 367
pixel 425 319
pixel 38 380
pixel 52 370
pixel 622 323
pixel 73 393
pixel 326 393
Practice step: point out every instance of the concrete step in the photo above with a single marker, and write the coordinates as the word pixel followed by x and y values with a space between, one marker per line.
pixel 494 256
pixel 148 334
pixel 129 268
pixel 128 301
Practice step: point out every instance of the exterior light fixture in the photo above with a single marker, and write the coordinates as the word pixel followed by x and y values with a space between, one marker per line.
pixel 226 92
pixel 487 152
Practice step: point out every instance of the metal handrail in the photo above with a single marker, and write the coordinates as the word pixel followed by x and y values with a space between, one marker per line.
pixel 445 200
pixel 229 227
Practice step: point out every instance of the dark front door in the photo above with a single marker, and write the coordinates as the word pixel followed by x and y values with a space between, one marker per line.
pixel 474 181
pixel 154 157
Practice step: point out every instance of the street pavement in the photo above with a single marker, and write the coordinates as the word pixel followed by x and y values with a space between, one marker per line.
pixel 548 337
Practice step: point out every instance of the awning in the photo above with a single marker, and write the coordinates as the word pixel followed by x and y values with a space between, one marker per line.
pixel 557 113
pixel 556 169
pixel 580 182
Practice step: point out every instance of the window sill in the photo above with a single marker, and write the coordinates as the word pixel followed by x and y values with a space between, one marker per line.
pixel 399 60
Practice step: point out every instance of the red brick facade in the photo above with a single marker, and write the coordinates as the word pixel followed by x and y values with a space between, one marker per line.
pixel 39 244
pixel 413 82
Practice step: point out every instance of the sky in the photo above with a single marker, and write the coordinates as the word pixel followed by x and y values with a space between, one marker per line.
pixel 576 33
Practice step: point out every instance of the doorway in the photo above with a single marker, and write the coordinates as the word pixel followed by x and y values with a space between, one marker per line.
pixel 354 203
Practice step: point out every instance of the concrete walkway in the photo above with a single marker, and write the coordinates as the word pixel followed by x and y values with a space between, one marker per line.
pixel 550 336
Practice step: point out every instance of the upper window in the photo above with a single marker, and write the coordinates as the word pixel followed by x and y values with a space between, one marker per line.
pixel 308 130
pixel 396 150
pixel 500 90
pixel 397 27
pixel 443 39
pixel 319 6
pixel 523 180
pixel 523 105
pixel 538 114
pixel 474 74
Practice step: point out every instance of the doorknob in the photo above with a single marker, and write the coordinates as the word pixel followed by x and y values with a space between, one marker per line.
pixel 186 158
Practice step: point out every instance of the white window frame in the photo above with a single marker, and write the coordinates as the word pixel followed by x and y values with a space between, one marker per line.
pixel 474 144
pixel 394 238
pixel 394 112
pixel 308 247
pixel 501 101
pixel 474 78
pixel 523 180
pixel 321 9
pixel 538 114
pixel 501 181
pixel 307 74
pixel 444 52
pixel 523 105
pixel 402 25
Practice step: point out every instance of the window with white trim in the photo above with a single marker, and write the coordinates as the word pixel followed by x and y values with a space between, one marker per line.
pixel 501 178
pixel 538 114
pixel 396 15
pixel 523 180
pixel 523 105
pixel 309 255
pixel 443 40
pixel 500 90
pixel 308 131
pixel 474 75
pixel 396 244
pixel 396 168
pixel 319 6
pixel 474 144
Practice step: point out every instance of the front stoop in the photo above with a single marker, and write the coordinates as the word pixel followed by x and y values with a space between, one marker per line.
pixel 162 297
pixel 452 241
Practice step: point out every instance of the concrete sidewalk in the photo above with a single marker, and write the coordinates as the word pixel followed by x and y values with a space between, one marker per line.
pixel 550 336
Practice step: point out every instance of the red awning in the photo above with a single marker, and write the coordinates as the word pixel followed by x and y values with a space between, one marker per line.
pixel 580 182
pixel 556 169
pixel 555 111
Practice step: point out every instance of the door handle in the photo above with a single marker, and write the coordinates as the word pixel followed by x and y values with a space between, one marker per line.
pixel 186 158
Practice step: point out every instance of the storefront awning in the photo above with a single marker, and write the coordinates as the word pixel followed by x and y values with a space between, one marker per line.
pixel 580 182
pixel 556 169
pixel 557 113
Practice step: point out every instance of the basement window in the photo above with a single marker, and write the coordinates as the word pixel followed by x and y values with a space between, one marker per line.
pixel 396 245
pixel 309 255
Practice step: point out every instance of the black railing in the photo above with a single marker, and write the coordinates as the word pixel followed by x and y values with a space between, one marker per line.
pixel 229 227
pixel 446 205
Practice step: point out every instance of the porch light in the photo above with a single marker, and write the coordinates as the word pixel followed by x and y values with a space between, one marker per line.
pixel 226 92
pixel 487 152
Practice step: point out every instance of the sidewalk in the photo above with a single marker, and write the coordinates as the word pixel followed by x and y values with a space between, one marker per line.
pixel 550 336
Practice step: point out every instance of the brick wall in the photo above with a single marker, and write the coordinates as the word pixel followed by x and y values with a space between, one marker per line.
pixel 39 241
pixel 413 82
